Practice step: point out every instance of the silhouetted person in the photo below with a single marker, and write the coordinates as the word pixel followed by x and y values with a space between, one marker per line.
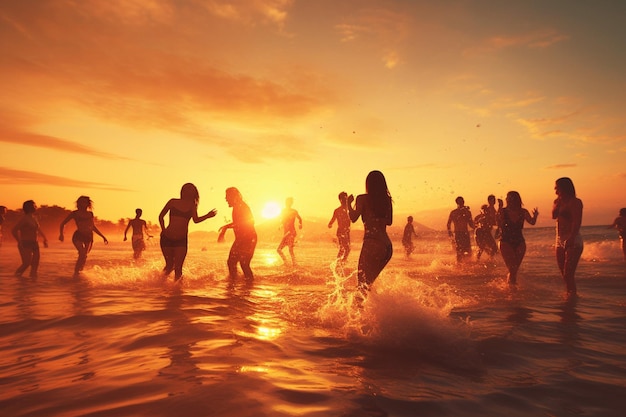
pixel 512 243
pixel 375 209
pixel 288 218
pixel 491 214
pixel 343 227
pixel 462 219
pixel 85 228
pixel 174 237
pixel 407 236
pixel 242 224
pixel 25 232
pixel 139 226
pixel 484 238
pixel 620 224
pixel 3 212
pixel 568 212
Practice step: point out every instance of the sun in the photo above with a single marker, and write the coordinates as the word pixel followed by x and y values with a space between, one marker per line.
pixel 271 210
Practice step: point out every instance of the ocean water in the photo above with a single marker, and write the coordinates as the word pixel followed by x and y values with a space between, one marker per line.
pixel 432 338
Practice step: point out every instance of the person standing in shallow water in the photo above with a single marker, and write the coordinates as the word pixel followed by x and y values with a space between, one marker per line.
pixel 139 226
pixel 620 224
pixel 288 218
pixel 85 228
pixel 25 232
pixel 174 237
pixel 3 212
pixel 512 243
pixel 375 209
pixel 244 245
pixel 343 227
pixel 567 210
pixel 407 236
pixel 462 219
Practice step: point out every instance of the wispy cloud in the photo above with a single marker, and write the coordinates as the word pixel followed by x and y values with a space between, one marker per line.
pixel 8 135
pixel 562 166
pixel 538 39
pixel 10 176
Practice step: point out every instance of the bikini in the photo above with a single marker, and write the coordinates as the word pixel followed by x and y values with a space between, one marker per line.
pixel 512 230
pixel 176 243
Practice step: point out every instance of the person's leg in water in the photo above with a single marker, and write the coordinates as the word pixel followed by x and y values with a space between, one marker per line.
pixel 180 253
pixel 513 256
pixel 26 256
pixel 567 259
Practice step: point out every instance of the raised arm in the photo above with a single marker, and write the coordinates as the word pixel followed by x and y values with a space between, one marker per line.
pixel 199 219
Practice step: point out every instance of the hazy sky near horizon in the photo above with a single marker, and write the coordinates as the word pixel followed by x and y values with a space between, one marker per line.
pixel 127 100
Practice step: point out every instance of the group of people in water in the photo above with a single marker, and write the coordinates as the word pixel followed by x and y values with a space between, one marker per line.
pixel 374 208
pixel 509 221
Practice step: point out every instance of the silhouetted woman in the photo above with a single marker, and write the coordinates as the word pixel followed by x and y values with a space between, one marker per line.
pixel 25 232
pixel 243 247
pixel 85 228
pixel 568 212
pixel 512 243
pixel 375 209
pixel 174 237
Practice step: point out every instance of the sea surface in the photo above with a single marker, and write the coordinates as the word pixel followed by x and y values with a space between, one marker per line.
pixel 432 338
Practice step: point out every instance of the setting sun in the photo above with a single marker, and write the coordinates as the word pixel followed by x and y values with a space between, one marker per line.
pixel 271 210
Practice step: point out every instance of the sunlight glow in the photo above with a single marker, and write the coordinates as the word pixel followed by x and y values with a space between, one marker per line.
pixel 271 210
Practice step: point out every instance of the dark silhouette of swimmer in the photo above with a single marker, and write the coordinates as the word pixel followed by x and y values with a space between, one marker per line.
pixel 245 242
pixel 462 219
pixel 25 232
pixel 407 237
pixel 512 243
pixel 139 226
pixel 85 228
pixel 288 218
pixel 3 212
pixel 620 224
pixel 567 210
pixel 484 238
pixel 375 209
pixel 174 237
pixel 343 227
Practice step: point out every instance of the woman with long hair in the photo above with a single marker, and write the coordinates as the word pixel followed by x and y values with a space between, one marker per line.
pixel 375 209
pixel 568 213
pixel 512 243
pixel 174 236
pixel 85 228
pixel 242 224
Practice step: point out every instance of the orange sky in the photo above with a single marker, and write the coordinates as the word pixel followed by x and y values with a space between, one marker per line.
pixel 126 100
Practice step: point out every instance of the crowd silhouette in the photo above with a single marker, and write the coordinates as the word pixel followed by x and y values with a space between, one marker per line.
pixel 374 208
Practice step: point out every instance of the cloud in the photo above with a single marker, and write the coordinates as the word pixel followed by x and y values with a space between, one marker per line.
pixel 538 39
pixel 10 176
pixel 562 166
pixel 385 29
pixel 11 135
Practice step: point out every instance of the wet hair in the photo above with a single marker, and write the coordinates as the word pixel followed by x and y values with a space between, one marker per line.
pixel 28 206
pixel 190 192
pixel 376 187
pixel 84 202
pixel 233 192
pixel 138 211
pixel 566 186
pixel 622 211
pixel 513 199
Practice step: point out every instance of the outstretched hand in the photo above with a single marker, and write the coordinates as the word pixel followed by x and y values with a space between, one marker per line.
pixel 212 213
